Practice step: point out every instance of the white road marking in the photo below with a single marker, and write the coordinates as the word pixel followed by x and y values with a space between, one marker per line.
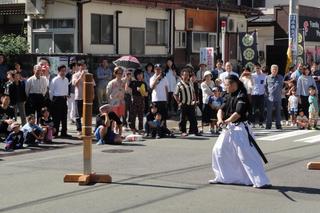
pixel 266 131
pixel 286 135
pixel 313 139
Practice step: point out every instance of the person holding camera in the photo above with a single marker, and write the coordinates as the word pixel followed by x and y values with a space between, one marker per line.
pixel 77 82
pixel 159 85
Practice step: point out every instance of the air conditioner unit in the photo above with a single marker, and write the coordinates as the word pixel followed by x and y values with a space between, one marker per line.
pixel 242 26
pixel 232 25
pixel 35 7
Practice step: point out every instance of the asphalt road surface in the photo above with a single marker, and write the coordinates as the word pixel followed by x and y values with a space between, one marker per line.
pixel 165 175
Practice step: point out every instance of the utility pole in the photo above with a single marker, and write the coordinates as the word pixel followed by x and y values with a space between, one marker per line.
pixel 218 28
pixel 293 28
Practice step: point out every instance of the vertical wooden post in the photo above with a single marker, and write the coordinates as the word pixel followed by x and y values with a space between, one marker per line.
pixel 87 177
pixel 87 123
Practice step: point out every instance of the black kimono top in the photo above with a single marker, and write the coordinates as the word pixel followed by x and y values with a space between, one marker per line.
pixel 236 102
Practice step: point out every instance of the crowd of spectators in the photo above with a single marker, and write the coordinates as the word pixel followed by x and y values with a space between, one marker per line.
pixel 153 94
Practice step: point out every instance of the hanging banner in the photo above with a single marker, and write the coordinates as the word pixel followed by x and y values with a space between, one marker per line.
pixel 301 50
pixel 207 57
pixel 249 49
pixel 293 32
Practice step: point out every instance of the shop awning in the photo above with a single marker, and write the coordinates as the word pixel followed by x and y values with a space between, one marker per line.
pixel 12 9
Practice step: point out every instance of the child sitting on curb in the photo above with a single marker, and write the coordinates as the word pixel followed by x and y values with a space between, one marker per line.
pixel 302 121
pixel 15 138
pixel 33 134
pixel 46 124
pixel 155 125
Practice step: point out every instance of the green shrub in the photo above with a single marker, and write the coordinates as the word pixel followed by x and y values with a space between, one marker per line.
pixel 13 45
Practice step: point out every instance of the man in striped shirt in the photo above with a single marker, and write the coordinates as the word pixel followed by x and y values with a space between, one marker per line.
pixel 186 99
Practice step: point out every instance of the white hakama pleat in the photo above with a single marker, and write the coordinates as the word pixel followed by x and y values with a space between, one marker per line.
pixel 235 161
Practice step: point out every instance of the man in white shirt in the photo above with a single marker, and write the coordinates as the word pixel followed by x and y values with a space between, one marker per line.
pixel 222 76
pixel 77 82
pixel 159 85
pixel 45 72
pixel 36 89
pixel 258 91
pixel 59 91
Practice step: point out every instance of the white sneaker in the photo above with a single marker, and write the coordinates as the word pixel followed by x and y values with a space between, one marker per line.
pixel 213 181
pixel 287 123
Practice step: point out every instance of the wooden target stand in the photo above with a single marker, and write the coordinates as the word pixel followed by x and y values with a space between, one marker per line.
pixel 87 177
pixel 313 165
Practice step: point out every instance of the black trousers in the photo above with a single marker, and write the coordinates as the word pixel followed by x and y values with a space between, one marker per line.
pixel 147 103
pixel 162 109
pixel 304 105
pixel 36 102
pixel 284 103
pixel 128 102
pixel 79 107
pixel 59 113
pixel 257 105
pixel 161 131
pixel 188 113
pixel 137 110
pixel 172 104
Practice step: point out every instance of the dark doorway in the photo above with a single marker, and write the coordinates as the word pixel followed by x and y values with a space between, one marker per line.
pixel 277 55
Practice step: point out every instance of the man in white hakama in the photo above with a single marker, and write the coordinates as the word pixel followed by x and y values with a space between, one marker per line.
pixel 235 156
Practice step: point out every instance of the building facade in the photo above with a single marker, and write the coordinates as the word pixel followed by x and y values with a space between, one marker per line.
pixel 137 27
pixel 272 31
pixel 12 14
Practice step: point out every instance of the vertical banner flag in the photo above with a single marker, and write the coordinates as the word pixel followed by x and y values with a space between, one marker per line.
pixel 301 50
pixel 293 32
pixel 207 57
pixel 249 49
pixel 289 58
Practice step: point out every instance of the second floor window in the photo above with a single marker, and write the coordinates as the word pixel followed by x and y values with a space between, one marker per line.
pixel 156 32
pixel 203 39
pixel 101 29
